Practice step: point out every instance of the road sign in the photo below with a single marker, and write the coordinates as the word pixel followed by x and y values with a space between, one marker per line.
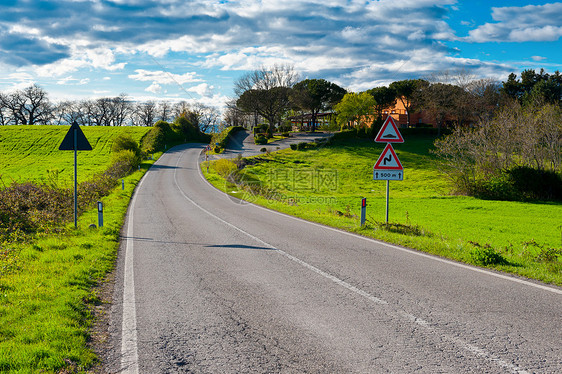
pixel 78 144
pixel 389 132
pixel 388 175
pixel 75 140
pixel 388 160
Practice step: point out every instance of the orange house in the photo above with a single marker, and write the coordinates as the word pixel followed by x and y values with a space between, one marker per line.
pixel 400 115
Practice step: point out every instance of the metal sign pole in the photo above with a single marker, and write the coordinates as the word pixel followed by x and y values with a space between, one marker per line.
pixel 387 193
pixel 75 178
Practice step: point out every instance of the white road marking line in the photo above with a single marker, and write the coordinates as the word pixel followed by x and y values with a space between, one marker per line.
pixel 409 317
pixel 129 348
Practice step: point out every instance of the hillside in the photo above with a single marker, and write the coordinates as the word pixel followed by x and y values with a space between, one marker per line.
pixel 30 153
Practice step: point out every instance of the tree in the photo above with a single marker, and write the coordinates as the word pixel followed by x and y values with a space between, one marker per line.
pixel 485 94
pixel 164 111
pixel 30 106
pixel 37 107
pixel 534 86
pixel 315 95
pixel 120 110
pixel 208 117
pixel 355 108
pixel 407 91
pixel 266 92
pixel 145 113
pixel 4 110
pixel 442 100
pixel 385 97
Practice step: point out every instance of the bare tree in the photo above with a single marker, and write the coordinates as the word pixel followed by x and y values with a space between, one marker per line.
pixel 180 108
pixel 208 117
pixel 120 110
pixel 164 110
pixel 4 110
pixel 266 92
pixel 145 113
pixel 37 107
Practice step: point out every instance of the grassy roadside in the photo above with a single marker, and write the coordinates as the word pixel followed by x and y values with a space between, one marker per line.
pixel 326 185
pixel 48 282
pixel 48 295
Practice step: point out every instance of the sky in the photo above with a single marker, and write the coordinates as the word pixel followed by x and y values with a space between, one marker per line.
pixel 195 50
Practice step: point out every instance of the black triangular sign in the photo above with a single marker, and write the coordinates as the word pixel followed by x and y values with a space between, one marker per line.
pixel 82 144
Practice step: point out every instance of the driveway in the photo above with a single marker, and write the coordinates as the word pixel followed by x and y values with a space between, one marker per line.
pixel 243 143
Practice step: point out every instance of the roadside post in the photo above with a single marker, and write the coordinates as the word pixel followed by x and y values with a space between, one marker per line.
pixel 363 210
pixel 75 140
pixel 100 214
pixel 388 166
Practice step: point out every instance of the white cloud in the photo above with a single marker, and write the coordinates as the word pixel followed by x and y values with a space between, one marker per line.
pixel 521 24
pixel 202 89
pixel 154 88
pixel 163 77
pixel 538 58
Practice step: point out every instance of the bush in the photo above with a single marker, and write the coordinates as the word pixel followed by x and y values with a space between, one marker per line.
pixel 301 145
pixel 27 208
pixel 294 147
pixel 516 148
pixel 263 149
pixel 487 256
pixel 536 184
pixel 225 167
pixel 125 142
pixel 222 139
pixel 154 140
pixel 260 139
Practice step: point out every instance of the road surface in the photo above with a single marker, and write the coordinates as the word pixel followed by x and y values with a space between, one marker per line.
pixel 242 143
pixel 206 284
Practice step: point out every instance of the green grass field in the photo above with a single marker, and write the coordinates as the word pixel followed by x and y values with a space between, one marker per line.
pixel 326 185
pixel 48 283
pixel 30 153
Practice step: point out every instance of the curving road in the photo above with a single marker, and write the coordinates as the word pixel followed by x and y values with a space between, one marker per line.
pixel 209 285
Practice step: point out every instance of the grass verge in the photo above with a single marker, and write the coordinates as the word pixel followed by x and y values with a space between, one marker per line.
pixel 48 290
pixel 325 185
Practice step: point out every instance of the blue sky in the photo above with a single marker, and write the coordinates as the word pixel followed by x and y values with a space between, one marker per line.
pixel 195 50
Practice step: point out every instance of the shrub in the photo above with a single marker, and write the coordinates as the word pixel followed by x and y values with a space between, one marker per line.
pixel 301 145
pixel 225 167
pixel 26 208
pixel 125 142
pixel 486 256
pixel 536 184
pixel 217 149
pixel 222 139
pixel 294 147
pixel 154 140
pixel 263 149
pixel 260 139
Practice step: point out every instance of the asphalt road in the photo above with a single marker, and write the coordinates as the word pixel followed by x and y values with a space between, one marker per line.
pixel 242 143
pixel 207 284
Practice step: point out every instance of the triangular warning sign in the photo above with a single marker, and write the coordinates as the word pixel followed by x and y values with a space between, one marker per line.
pixel 388 160
pixel 82 144
pixel 389 132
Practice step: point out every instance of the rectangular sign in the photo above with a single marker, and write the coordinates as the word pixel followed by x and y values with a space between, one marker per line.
pixel 388 175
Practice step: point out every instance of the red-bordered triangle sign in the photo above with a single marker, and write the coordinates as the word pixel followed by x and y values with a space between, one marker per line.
pixel 389 132
pixel 388 160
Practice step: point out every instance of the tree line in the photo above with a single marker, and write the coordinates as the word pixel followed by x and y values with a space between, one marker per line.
pixel 32 106
pixel 450 99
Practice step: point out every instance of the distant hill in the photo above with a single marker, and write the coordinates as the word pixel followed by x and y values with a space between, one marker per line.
pixel 30 153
